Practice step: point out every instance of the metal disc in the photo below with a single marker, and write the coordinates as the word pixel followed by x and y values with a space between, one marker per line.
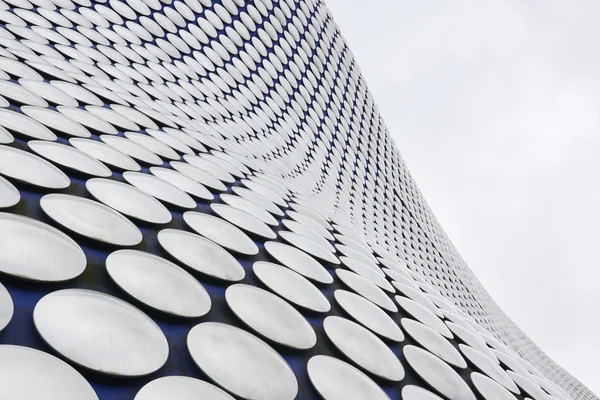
pixel 221 232
pixel 304 230
pixel 437 373
pixel 28 374
pixel 510 362
pixel 180 388
pixel 418 296
pixel 132 149
pixel 128 200
pixel 29 168
pixel 310 246
pixel 160 189
pixel 270 316
pixel 7 307
pixel 369 315
pixel 298 261
pixel 258 199
pixel 241 363
pixel 489 367
pixel 158 283
pixel 250 207
pixel 101 332
pixel 243 220
pixel 357 255
pixel 526 382
pixel 373 275
pixel 291 286
pixel 366 289
pixel 201 254
pixel 336 380
pixel 471 338
pixel 5 136
pixel 422 314
pixel 412 392
pixel 56 257
pixel 23 125
pixel 105 153
pixel 183 182
pixel 9 194
pixel 363 348
pixel 91 219
pixel 489 388
pixel 434 342
pixel 70 157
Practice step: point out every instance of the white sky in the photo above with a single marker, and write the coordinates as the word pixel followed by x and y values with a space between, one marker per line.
pixel 495 106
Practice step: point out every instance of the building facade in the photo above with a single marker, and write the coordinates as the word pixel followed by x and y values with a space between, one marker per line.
pixel 200 200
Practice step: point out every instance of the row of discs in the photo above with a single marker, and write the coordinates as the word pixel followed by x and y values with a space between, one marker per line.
pixel 206 188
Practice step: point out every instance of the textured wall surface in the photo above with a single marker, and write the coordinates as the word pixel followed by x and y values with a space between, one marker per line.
pixel 169 166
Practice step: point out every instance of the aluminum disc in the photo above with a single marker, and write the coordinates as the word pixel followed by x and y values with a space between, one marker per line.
pixel 241 363
pixel 221 232
pixel 56 257
pixel 363 348
pixel 291 286
pixel 336 380
pixel 180 388
pixel 437 373
pixel 298 261
pixel 158 283
pixel 27 374
pixel 91 219
pixel 101 332
pixel 201 254
pixel 270 316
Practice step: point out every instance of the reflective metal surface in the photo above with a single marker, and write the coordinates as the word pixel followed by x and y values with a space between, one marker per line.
pixel 270 316
pixel 298 261
pixel 369 315
pixel 7 307
pixel 69 157
pixel 434 342
pixel 255 115
pixel 9 194
pixel 422 314
pixel 100 332
pixel 241 363
pixel 91 219
pixel 489 367
pixel 56 257
pixel 337 380
pixel 128 200
pixel 183 182
pixel 529 387
pixel 489 388
pixel 160 189
pixel 158 283
pixel 201 255
pixel 28 168
pixel 366 289
pixel 221 232
pixel 32 374
pixel 437 373
pixel 244 220
pixel 180 388
pixel 310 246
pixel 412 392
pixel 363 348
pixel 291 286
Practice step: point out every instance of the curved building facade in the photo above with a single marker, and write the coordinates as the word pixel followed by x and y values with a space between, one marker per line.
pixel 200 200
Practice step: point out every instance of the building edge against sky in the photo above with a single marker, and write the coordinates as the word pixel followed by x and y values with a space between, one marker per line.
pixel 193 118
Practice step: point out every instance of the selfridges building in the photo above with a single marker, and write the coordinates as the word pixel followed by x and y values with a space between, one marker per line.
pixel 200 200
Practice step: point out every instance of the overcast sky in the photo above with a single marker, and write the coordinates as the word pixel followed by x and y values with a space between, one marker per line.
pixel 495 106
